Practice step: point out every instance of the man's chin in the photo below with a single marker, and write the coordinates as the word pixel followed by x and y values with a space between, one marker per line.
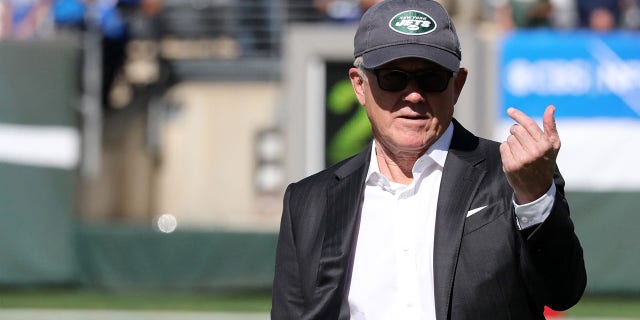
pixel 418 146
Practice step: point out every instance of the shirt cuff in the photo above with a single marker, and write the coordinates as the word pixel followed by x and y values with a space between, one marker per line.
pixel 533 213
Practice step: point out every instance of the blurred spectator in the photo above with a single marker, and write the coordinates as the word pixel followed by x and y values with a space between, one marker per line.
pixel 599 15
pixel 511 14
pixel 132 65
pixel 79 14
pixel 366 4
pixel 631 18
pixel 564 14
pixel 69 13
pixel 351 10
pixel 25 19
pixel 629 14
pixel 339 10
pixel 109 19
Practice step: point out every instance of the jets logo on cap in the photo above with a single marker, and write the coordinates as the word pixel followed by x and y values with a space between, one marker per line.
pixel 412 22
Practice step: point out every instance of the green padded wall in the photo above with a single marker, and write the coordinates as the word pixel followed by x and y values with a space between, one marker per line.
pixel 607 224
pixel 38 87
pixel 136 258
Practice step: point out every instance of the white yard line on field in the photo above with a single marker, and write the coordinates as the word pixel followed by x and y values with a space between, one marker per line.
pixel 57 314
pixel 45 314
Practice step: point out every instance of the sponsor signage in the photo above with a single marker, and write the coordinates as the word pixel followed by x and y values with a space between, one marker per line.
pixel 584 74
pixel 347 128
pixel 593 79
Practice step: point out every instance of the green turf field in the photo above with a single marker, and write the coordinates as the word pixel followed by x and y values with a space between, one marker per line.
pixel 589 307
pixel 72 299
pixel 623 307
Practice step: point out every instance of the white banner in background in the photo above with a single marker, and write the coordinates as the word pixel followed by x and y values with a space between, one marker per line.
pixel 40 146
pixel 596 155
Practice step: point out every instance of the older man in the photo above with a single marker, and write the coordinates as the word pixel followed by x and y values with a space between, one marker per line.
pixel 429 221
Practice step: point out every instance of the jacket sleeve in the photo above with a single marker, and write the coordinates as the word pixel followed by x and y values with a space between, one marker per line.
pixel 554 256
pixel 287 301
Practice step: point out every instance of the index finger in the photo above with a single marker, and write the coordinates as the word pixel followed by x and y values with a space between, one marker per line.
pixel 525 121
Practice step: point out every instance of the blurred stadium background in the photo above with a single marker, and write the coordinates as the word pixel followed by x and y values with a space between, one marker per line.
pixel 145 144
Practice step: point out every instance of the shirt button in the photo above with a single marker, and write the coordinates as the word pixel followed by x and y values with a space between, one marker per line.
pixel 524 219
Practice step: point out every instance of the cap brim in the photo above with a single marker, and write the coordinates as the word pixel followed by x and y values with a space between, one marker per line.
pixel 377 57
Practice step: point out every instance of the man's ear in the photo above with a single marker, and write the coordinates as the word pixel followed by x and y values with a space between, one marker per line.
pixel 358 83
pixel 458 83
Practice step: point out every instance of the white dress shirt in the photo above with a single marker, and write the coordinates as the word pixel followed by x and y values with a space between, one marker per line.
pixel 392 276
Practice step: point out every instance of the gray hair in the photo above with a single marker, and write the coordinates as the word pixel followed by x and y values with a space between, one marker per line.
pixel 359 63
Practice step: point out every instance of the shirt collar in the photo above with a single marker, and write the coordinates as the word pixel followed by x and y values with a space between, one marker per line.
pixel 436 153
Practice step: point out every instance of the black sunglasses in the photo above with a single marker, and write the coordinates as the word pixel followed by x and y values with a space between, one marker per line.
pixel 428 81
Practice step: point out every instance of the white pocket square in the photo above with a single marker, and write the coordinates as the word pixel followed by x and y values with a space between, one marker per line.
pixel 474 211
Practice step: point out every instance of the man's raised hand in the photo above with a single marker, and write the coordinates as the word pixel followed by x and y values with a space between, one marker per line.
pixel 529 154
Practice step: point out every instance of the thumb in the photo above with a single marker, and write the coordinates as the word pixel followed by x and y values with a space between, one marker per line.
pixel 549 125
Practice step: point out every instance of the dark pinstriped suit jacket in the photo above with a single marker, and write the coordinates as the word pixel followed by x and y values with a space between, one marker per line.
pixel 484 267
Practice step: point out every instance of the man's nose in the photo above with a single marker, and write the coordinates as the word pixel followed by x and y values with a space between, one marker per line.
pixel 413 93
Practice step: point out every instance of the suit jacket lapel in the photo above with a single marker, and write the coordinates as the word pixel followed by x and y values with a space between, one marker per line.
pixel 460 180
pixel 340 224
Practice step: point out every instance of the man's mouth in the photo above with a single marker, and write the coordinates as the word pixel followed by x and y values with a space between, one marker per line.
pixel 413 117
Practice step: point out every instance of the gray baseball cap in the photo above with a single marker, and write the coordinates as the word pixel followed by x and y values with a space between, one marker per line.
pixel 394 29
